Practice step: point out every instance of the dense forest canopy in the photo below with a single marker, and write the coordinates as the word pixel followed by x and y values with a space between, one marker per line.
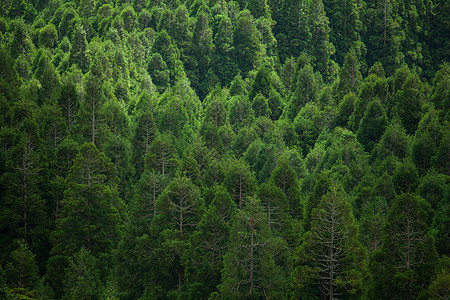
pixel 214 149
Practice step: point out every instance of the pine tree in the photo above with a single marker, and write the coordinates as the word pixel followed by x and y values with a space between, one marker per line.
pixel 89 216
pixel 250 268
pixel 24 214
pixel 246 42
pixel 21 270
pixel 239 181
pixel 180 210
pixel 204 260
pixel 79 47
pixel 224 65
pixel 372 125
pixel 345 25
pixel 349 76
pixel 82 279
pixel 331 261
pixel 202 52
pixel 305 91
pixel 402 266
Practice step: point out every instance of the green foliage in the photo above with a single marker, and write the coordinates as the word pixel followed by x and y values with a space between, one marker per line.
pixel 253 272
pixel 141 142
pixel 21 270
pixel 82 277
pixel 330 260
pixel 407 255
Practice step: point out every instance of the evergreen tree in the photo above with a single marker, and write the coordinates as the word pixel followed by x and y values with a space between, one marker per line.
pixel 402 266
pixel 89 216
pixel 223 62
pixel 349 76
pixel 239 181
pixel 345 25
pixel 82 277
pixel 331 261
pixel 79 47
pixel 246 42
pixel 305 91
pixel 204 260
pixel 180 209
pixel 250 268
pixel 372 125
pixel 21 270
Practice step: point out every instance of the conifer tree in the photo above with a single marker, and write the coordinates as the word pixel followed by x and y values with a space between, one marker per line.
pixel 402 265
pixel 250 270
pixel 331 261
pixel 21 270
pixel 89 216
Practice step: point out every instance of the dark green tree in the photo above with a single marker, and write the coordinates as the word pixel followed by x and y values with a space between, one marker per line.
pixel 345 24
pixel 21 270
pixel 250 267
pixel 372 125
pixel 82 279
pixel 239 181
pixel 305 91
pixel 246 42
pixel 223 62
pixel 89 216
pixel 79 47
pixel 331 261
pixel 401 268
pixel 180 210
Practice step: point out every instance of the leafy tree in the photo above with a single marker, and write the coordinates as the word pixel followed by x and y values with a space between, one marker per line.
pixel 405 176
pixel 90 119
pixel 223 62
pixel 170 54
pixel 440 93
pixel 240 113
pixel 292 31
pixel 23 214
pixel 275 203
pixel 440 226
pixel 204 260
pixel 345 110
pixel 438 288
pixel 285 177
pixel 69 101
pixel 319 27
pixel 202 52
pixel 409 101
pixel 384 33
pixel 345 24
pixel 350 75
pixel 394 141
pixel 48 36
pixel 371 223
pixel 161 154
pixel 79 47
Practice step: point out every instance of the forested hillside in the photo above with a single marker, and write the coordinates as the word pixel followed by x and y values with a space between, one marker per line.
pixel 213 149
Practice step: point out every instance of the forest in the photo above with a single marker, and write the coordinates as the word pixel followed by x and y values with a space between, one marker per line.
pixel 224 149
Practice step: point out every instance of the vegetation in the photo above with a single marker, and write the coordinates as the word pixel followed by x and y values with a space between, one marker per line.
pixel 224 149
